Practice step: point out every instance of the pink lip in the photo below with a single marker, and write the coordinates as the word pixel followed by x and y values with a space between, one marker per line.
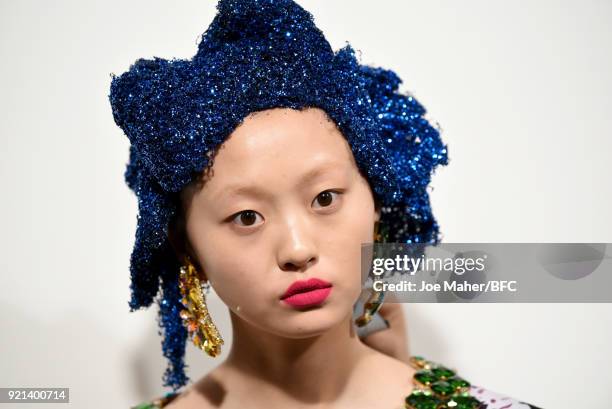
pixel 307 293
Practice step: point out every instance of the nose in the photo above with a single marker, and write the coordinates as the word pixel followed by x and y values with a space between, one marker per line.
pixel 297 249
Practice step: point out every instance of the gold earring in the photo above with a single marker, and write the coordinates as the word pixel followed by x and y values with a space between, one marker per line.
pixel 196 319
pixel 375 301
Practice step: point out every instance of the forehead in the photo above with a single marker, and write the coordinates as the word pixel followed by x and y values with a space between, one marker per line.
pixel 282 141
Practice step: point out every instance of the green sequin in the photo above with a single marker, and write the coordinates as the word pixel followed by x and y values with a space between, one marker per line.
pixel 425 376
pixel 422 400
pixel 443 373
pixel 438 387
pixel 458 383
pixel 442 388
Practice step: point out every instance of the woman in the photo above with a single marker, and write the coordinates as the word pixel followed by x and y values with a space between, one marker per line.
pixel 261 166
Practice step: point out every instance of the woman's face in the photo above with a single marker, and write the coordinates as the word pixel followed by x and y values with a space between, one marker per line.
pixel 285 202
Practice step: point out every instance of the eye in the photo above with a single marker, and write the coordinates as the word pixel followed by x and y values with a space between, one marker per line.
pixel 326 198
pixel 246 218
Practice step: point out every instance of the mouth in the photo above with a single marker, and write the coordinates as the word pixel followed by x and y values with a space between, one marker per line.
pixel 307 293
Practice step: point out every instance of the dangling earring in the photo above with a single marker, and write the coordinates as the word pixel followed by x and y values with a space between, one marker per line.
pixel 196 319
pixel 375 301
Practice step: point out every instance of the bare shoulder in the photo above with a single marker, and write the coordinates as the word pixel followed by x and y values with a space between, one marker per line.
pixel 389 380
pixel 209 392
pixel 393 368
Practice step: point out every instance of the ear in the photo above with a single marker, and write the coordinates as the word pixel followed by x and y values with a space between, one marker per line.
pixel 195 260
pixel 177 235
pixel 202 275
pixel 377 212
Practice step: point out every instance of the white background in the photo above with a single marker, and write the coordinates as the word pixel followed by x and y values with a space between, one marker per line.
pixel 522 91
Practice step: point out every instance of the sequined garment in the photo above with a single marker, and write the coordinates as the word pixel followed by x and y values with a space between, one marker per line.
pixel 434 387
pixel 256 55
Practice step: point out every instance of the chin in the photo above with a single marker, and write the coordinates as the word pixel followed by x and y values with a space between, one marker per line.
pixel 310 322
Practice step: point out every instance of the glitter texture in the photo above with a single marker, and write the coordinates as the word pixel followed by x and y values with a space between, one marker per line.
pixel 257 55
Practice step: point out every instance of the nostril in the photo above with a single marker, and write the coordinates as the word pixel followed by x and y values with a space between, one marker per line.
pixel 297 266
pixel 290 267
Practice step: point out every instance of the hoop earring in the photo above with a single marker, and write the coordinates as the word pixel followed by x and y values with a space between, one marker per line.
pixel 376 299
pixel 195 317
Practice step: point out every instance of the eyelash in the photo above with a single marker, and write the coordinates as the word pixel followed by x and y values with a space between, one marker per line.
pixel 337 192
pixel 236 216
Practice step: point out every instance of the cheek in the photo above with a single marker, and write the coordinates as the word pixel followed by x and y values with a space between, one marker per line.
pixel 358 224
pixel 345 239
pixel 234 270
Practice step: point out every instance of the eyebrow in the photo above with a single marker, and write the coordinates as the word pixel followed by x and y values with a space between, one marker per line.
pixel 257 192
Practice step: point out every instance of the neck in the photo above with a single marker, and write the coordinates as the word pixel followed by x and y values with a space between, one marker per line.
pixel 314 369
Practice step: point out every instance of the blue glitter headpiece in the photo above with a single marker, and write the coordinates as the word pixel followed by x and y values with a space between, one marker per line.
pixel 256 55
